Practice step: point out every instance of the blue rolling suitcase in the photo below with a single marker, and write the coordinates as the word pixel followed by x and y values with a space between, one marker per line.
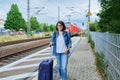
pixel 46 70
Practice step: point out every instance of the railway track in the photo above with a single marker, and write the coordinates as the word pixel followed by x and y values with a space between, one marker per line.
pixel 6 59
pixel 13 57
pixel 15 48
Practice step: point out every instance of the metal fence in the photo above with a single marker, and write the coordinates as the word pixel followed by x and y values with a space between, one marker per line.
pixel 109 45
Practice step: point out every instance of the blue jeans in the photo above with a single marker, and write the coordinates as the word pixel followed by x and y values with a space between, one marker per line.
pixel 62 60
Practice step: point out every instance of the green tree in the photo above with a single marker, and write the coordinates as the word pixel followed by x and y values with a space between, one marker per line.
pixel 34 24
pixel 52 27
pixel 94 26
pixel 110 16
pixel 40 27
pixel 44 27
pixel 14 19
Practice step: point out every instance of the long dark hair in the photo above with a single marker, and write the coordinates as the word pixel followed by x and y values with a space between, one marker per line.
pixel 62 23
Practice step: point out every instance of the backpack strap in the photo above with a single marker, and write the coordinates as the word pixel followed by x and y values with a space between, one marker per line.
pixel 66 33
pixel 54 35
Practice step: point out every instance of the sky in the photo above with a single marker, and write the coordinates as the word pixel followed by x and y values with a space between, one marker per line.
pixel 49 14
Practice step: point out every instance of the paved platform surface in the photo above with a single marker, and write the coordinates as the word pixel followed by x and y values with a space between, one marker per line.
pixel 81 65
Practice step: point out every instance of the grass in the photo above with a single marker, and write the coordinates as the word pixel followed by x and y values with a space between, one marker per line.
pixel 91 42
pixel 101 65
pixel 7 38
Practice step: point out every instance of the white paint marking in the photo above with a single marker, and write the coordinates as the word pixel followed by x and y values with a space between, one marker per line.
pixel 21 60
pixel 19 76
pixel 22 67
pixel 43 54
pixel 27 66
pixel 34 59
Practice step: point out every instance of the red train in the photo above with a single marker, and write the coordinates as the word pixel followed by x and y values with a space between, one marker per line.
pixel 72 28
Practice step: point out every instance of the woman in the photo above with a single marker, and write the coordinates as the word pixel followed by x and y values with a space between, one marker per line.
pixel 61 41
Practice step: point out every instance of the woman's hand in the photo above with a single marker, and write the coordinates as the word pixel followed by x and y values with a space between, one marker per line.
pixel 66 51
pixel 50 44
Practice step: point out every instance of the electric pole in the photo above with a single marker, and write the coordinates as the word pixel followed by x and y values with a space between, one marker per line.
pixel 89 14
pixel 89 10
pixel 28 18
pixel 58 13
pixel 68 16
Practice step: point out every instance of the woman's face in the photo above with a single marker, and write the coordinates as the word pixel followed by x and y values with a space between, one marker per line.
pixel 60 27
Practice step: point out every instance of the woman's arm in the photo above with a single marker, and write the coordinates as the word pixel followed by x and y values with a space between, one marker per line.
pixel 51 40
pixel 69 41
